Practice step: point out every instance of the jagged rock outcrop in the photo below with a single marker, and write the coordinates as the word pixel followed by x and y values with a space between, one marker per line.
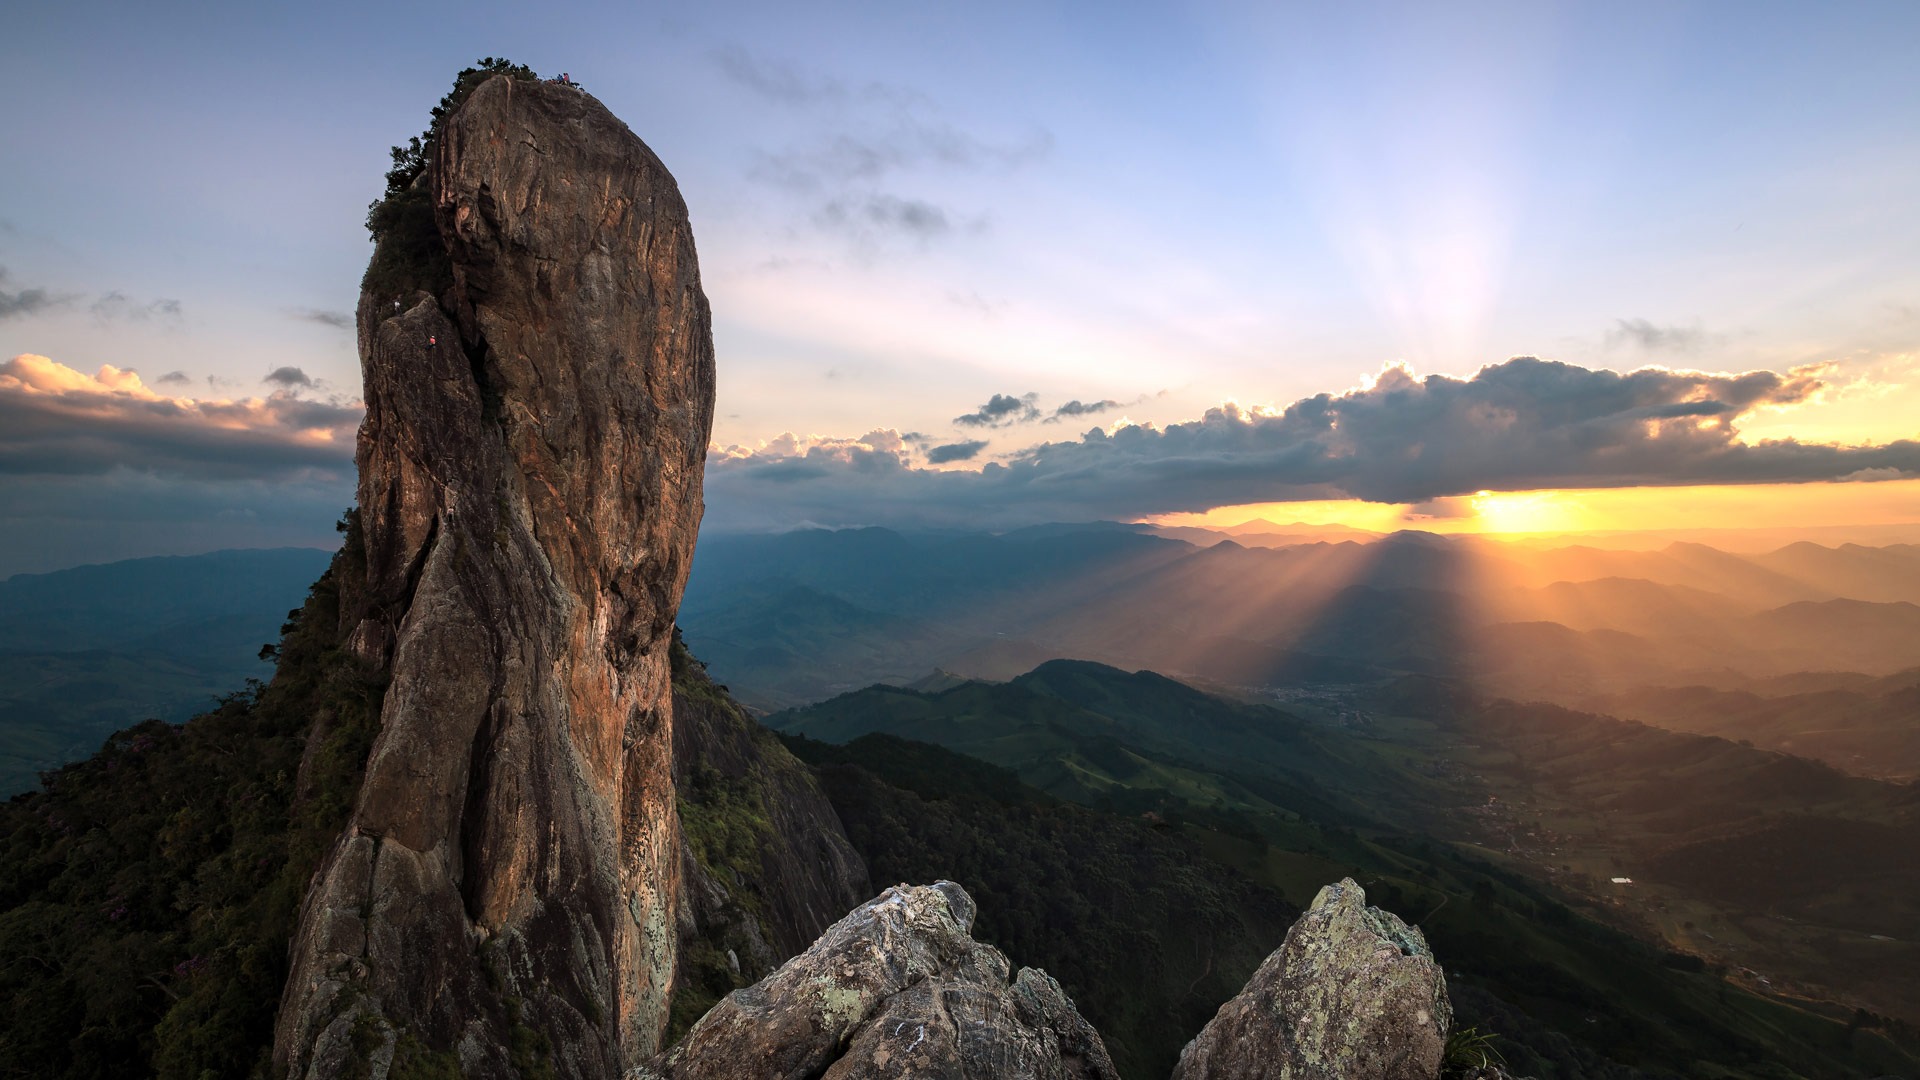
pixel 1352 994
pixel 898 988
pixel 530 489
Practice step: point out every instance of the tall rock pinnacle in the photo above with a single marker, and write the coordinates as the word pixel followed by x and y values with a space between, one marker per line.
pixel 530 472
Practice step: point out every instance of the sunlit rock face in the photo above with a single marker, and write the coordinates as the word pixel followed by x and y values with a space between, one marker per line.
pixel 530 476
pixel 1352 994
pixel 897 989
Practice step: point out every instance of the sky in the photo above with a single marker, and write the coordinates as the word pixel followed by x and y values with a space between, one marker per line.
pixel 990 264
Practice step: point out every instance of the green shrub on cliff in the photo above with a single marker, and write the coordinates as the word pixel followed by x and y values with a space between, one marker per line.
pixel 411 256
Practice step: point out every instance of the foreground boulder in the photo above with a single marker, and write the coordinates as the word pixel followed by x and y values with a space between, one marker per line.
pixel 898 988
pixel 1352 994
pixel 539 382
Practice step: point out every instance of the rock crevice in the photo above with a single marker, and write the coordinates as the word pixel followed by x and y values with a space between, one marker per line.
pixel 1352 994
pixel 530 471
pixel 898 988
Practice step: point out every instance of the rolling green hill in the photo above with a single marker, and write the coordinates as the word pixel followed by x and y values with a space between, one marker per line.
pixel 1861 725
pixel 1399 803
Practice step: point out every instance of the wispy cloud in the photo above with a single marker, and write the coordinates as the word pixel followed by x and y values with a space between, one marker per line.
pixel 339 320
pixel 106 307
pixel 15 303
pixel 118 305
pixel 1649 337
pixel 878 142
pixel 1078 408
pixel 906 144
pixel 778 81
pixel 865 216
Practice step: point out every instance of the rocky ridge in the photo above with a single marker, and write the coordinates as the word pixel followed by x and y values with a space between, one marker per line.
pixel 898 988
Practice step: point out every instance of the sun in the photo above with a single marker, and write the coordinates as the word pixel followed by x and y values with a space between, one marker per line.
pixel 1525 512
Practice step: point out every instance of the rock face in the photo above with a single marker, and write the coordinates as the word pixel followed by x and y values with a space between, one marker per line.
pixel 530 474
pixel 1352 994
pixel 898 988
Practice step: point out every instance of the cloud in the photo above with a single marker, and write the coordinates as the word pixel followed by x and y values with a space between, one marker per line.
pixel 1081 408
pixel 855 178
pixel 782 82
pixel 774 80
pixel 863 217
pixel 288 377
pixel 1868 476
pixel 108 306
pixel 174 378
pixel 25 301
pixel 1521 425
pixel 339 320
pixel 973 301
pixel 960 451
pixel 908 143
pixel 1651 338
pixel 56 421
pixel 117 305
pixel 1441 509
pixel 1002 410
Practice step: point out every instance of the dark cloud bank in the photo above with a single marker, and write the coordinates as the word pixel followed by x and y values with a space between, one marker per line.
pixel 1520 425
pixel 100 467
pixel 94 467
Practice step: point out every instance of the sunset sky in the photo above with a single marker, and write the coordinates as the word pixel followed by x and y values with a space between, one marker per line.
pixel 1005 263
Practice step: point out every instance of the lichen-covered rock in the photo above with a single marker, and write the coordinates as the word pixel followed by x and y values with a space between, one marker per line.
pixel 1352 994
pixel 898 988
pixel 530 471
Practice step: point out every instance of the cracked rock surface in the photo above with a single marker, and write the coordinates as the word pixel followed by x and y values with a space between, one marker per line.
pixel 898 988
pixel 530 474
pixel 1352 994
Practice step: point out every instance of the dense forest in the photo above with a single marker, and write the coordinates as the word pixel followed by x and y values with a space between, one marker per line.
pixel 147 894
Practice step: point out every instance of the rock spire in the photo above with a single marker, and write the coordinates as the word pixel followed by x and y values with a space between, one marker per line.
pixel 530 474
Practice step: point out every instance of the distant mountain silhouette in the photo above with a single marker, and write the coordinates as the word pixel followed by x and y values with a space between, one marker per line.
pixel 88 651
pixel 1559 622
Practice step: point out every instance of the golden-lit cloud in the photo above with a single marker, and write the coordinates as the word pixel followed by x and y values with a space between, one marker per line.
pixel 1526 425
pixel 61 421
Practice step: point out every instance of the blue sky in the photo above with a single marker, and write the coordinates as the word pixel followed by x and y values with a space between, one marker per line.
pixel 903 210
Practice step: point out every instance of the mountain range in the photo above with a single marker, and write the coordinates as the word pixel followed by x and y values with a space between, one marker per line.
pixel 792 618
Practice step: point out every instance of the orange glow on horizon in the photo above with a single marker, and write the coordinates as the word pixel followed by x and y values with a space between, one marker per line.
pixel 1542 513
